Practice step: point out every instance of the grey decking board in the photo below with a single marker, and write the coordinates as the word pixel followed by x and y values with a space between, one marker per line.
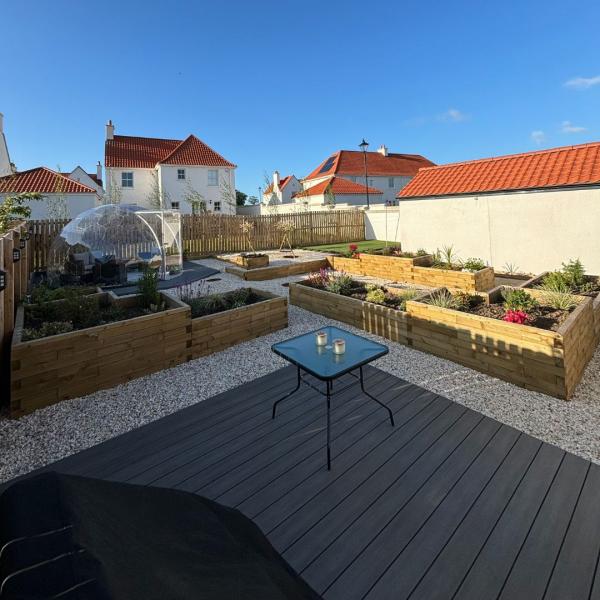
pixel 538 555
pixel 577 562
pixel 465 543
pixel 279 438
pixel 310 476
pixel 366 422
pixel 501 548
pixel 345 526
pixel 388 537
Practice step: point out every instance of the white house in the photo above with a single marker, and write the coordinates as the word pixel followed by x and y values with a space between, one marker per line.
pixel 281 190
pixel 385 171
pixel 530 212
pixel 176 174
pixel 337 192
pixel 62 197
pixel 93 180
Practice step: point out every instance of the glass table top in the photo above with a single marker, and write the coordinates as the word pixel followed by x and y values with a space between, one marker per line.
pixel 321 361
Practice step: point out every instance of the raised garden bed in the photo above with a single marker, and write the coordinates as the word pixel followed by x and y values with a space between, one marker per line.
pixel 251 261
pixel 591 289
pixel 68 365
pixel 539 359
pixel 415 270
pixel 263 313
pixel 278 271
pixel 388 322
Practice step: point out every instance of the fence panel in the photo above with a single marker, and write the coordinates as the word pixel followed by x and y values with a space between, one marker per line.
pixel 208 234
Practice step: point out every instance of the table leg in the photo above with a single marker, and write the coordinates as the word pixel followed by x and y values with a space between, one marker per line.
pixel 328 425
pixel 288 394
pixel 362 387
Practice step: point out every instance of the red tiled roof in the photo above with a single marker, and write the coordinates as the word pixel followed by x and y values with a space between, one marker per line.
pixel 351 162
pixel 43 181
pixel 339 185
pixel 557 167
pixel 144 153
pixel 282 183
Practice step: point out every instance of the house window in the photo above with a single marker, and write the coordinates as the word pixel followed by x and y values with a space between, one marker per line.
pixel 180 173
pixel 390 182
pixel 127 179
pixel 175 205
pixel 217 206
pixel 213 177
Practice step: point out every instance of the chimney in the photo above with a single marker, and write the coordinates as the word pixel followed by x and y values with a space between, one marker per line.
pixel 110 130
pixel 99 171
pixel 383 150
pixel 276 180
pixel 1 123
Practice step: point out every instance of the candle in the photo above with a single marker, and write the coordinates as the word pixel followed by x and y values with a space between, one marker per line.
pixel 321 338
pixel 339 346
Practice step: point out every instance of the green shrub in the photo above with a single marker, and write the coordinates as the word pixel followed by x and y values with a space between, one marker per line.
pixel 405 296
pixel 442 299
pixel 339 283
pixel 558 297
pixel 82 311
pixel 422 252
pixel 376 296
pixel 556 280
pixel 574 273
pixel 518 299
pixel 46 329
pixel 238 298
pixel 45 293
pixel 148 289
pixel 473 265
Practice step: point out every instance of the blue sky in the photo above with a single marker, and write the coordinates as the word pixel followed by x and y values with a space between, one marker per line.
pixel 281 84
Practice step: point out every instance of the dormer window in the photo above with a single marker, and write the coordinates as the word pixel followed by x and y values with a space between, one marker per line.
pixel 180 174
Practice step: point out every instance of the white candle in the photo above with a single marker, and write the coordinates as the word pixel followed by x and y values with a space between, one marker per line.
pixel 321 338
pixel 339 346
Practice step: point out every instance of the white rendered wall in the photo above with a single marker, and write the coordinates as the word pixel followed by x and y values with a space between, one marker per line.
pixel 197 178
pixel 535 231
pixel 76 203
pixel 78 174
pixel 142 185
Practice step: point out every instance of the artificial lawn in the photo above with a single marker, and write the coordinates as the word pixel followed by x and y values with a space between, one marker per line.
pixel 364 245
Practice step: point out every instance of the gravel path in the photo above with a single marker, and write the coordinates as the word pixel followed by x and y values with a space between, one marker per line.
pixel 57 431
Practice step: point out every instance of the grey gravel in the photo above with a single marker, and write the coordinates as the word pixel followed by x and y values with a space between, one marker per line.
pixel 65 428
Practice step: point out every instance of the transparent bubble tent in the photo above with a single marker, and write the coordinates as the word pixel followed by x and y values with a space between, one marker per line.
pixel 113 244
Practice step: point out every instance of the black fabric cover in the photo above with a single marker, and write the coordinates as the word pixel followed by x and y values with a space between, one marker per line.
pixel 78 538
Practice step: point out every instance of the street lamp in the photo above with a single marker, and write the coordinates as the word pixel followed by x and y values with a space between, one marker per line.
pixel 363 146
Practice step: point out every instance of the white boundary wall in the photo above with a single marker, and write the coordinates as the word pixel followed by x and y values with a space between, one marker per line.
pixel 534 231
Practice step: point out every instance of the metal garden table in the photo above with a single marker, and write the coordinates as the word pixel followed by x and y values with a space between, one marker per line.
pixel 323 364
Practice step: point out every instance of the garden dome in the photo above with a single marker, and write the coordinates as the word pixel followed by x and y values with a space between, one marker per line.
pixel 112 244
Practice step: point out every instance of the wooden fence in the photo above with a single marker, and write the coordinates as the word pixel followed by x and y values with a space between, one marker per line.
pixel 209 234
pixel 14 273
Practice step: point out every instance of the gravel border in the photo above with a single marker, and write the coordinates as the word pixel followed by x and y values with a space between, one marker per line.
pixel 72 425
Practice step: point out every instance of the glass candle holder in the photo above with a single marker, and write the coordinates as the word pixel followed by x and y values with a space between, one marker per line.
pixel 339 346
pixel 321 338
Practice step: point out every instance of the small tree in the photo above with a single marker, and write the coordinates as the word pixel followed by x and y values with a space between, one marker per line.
pixel 228 194
pixel 329 197
pixel 253 200
pixel 247 229
pixel 195 199
pixel 115 193
pixel 57 203
pixel 13 207
pixel 287 228
pixel 240 198
pixel 157 198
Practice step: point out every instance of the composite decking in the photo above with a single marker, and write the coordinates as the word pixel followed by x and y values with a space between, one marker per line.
pixel 446 504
